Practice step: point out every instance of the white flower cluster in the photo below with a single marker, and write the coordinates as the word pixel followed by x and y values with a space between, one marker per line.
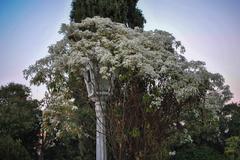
pixel 59 116
pixel 117 50
pixel 151 55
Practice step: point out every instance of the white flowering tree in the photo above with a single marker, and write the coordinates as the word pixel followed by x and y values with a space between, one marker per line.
pixel 153 83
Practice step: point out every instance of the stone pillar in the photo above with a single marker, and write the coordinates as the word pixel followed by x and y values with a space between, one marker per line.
pixel 101 149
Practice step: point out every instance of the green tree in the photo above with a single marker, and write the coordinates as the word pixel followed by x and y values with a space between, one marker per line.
pixel 11 149
pixel 154 83
pixel 202 124
pixel 199 153
pixel 66 130
pixel 20 117
pixel 123 11
pixel 232 148
pixel 84 117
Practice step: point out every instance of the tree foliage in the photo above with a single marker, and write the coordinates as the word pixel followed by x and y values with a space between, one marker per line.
pixel 68 129
pixel 20 119
pixel 232 148
pixel 11 149
pixel 123 11
pixel 230 130
pixel 199 153
pixel 154 83
pixel 230 120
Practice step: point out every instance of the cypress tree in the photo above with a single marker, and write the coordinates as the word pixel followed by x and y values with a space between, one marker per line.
pixel 123 11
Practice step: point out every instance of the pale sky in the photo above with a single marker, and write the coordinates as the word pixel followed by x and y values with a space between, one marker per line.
pixel 209 29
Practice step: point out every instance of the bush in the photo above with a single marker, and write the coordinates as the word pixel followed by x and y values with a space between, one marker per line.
pixel 199 153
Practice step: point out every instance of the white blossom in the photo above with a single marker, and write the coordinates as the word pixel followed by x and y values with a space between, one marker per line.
pixel 172 153
pixel 152 55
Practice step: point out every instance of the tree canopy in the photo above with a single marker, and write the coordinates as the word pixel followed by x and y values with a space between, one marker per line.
pixel 20 122
pixel 167 84
pixel 123 11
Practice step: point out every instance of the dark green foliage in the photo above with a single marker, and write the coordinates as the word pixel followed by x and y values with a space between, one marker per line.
pixel 71 149
pixel 232 149
pixel 11 149
pixel 67 149
pixel 231 120
pixel 230 129
pixel 123 11
pixel 86 113
pixel 199 153
pixel 20 117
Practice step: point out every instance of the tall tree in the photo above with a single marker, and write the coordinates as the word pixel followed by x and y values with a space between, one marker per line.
pixel 122 11
pixel 20 118
pixel 154 83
